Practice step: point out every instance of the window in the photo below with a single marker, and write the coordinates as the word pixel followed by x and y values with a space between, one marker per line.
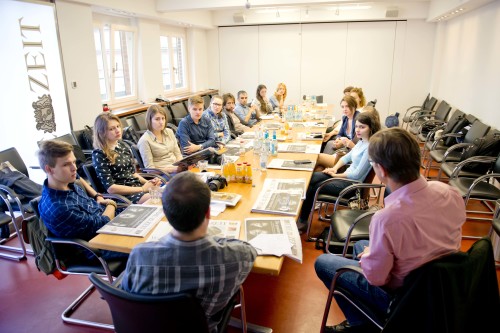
pixel 116 62
pixel 173 64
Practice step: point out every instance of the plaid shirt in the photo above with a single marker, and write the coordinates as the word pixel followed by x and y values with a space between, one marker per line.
pixel 211 268
pixel 71 213
pixel 219 123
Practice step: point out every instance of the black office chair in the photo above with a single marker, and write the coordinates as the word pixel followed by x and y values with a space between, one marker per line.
pixel 206 100
pixel 179 111
pixel 76 257
pixel 5 221
pixel 407 117
pixel 137 155
pixel 84 139
pixel 482 188
pixel 455 293
pixel 428 120
pixel 372 103
pixel 179 312
pixel 437 156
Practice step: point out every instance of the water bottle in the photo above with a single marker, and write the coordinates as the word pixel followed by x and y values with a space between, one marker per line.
pixel 264 152
pixel 242 148
pixel 257 147
pixel 274 145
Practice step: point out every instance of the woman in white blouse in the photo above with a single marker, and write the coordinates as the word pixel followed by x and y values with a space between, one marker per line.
pixel 158 145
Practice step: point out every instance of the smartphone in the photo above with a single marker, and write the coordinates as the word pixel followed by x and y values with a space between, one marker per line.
pixel 302 161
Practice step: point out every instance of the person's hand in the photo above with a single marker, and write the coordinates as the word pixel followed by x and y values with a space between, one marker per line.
pixel 105 202
pixel 191 148
pixel 346 142
pixel 327 136
pixel 330 171
pixel 366 250
pixel 338 143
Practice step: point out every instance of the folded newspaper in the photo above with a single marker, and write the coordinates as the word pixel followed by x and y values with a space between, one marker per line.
pixel 135 220
pixel 278 163
pixel 298 184
pixel 230 199
pixel 220 228
pixel 283 202
pixel 299 148
pixel 276 236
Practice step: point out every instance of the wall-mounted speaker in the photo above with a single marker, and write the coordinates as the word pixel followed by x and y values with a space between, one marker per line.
pixel 239 18
pixel 392 12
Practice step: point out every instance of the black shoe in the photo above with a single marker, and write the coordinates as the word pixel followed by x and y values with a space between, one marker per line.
pixel 301 226
pixel 345 327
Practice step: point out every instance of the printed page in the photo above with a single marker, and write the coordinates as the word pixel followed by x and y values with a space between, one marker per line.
pixel 278 202
pixel 135 220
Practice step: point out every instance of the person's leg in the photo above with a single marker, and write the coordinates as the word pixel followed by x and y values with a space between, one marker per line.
pixel 316 179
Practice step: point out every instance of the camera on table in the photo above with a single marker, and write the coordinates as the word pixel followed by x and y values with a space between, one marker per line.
pixel 216 182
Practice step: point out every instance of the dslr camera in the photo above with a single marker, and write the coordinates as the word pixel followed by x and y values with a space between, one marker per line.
pixel 216 182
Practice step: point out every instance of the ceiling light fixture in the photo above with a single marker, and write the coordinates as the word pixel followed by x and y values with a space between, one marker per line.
pixel 307 12
pixel 248 5
pixel 277 13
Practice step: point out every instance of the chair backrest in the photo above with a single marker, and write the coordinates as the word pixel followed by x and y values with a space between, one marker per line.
pixel 442 111
pixel 92 177
pixel 130 134
pixel 206 100
pixel 140 118
pixel 455 124
pixel 137 155
pixel 179 111
pixel 372 103
pixel 430 104
pixel 455 293
pixel 12 155
pixel 84 138
pixel 478 129
pixel 148 313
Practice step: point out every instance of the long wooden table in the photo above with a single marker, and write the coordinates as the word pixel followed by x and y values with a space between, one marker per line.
pixel 263 264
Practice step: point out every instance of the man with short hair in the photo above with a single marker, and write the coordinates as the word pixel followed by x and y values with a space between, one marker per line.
pixel 249 116
pixel 235 125
pixel 195 133
pixel 188 259
pixel 218 119
pixel 420 222
pixel 67 209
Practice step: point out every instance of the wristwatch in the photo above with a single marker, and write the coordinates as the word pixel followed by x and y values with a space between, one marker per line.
pixel 97 195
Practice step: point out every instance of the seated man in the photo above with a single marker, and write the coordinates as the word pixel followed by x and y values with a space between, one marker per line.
pixel 195 133
pixel 248 116
pixel 69 210
pixel 420 222
pixel 218 119
pixel 188 259
pixel 235 125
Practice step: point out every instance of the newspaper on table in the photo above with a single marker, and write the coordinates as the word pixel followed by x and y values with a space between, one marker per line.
pixel 299 148
pixel 220 228
pixel 135 220
pixel 283 202
pixel 230 199
pixel 307 124
pixel 276 236
pixel 248 135
pixel 286 184
pixel 313 136
pixel 279 163
pixel 271 126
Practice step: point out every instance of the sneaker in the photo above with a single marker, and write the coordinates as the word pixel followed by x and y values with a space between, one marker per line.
pixel 345 327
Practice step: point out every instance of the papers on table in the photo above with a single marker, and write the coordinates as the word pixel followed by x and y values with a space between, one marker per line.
pixel 267 116
pixel 230 199
pixel 299 148
pixel 305 124
pixel 311 136
pixel 216 208
pixel 248 135
pixel 219 228
pixel 274 236
pixel 278 163
pixel 135 220
pixel 271 126
pixel 286 184
pixel 278 202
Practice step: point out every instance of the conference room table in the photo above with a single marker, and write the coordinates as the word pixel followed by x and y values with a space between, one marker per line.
pixel 264 264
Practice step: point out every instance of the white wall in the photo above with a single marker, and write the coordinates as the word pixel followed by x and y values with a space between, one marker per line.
pixel 80 62
pixel 390 60
pixel 149 60
pixel 467 67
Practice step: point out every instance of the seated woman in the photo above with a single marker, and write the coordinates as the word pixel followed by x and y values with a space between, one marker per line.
pixel 261 102
pixel 348 105
pixel 366 126
pixel 359 96
pixel 113 161
pixel 158 145
pixel 277 100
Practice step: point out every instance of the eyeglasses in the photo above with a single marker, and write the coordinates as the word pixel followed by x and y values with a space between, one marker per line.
pixel 217 104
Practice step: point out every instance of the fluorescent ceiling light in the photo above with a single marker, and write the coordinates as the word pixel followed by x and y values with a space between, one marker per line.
pixel 350 7
pixel 274 9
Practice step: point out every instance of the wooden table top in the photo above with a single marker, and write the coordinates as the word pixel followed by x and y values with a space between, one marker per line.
pixel 264 264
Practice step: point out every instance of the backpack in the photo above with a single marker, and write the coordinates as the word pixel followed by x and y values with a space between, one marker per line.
pixel 454 127
pixel 392 120
pixel 488 145
pixel 129 134
pixel 42 249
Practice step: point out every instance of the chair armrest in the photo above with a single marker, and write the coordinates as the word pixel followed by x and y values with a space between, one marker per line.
pixel 152 176
pixel 122 201
pixel 473 159
pixel 11 196
pixel 357 185
pixel 157 171
pixel 455 147
pixel 430 122
pixel 444 136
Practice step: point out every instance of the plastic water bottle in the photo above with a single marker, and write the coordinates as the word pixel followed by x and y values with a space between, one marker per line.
pixel 264 152
pixel 274 145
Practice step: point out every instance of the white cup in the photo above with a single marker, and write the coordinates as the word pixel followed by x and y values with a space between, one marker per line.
pixel 203 165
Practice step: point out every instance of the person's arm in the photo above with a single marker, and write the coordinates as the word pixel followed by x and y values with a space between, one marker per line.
pixel 183 136
pixel 146 151
pixel 360 165
pixel 226 131
pixel 240 113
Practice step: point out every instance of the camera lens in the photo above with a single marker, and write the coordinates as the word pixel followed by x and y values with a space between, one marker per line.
pixel 214 185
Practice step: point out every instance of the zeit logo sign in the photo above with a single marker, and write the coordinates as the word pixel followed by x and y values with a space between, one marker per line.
pixel 38 79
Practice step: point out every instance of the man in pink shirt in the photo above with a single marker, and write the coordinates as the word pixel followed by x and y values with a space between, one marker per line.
pixel 421 221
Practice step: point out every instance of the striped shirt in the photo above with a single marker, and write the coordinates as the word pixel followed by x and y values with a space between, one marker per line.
pixel 211 268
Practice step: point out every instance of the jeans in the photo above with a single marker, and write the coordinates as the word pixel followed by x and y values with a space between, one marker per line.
pixel 334 188
pixel 377 298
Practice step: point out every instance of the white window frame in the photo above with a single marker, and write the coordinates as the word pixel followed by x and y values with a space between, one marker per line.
pixel 174 91
pixel 112 100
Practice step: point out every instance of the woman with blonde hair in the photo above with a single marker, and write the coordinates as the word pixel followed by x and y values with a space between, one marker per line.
pixel 359 96
pixel 113 161
pixel 278 98
pixel 158 146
